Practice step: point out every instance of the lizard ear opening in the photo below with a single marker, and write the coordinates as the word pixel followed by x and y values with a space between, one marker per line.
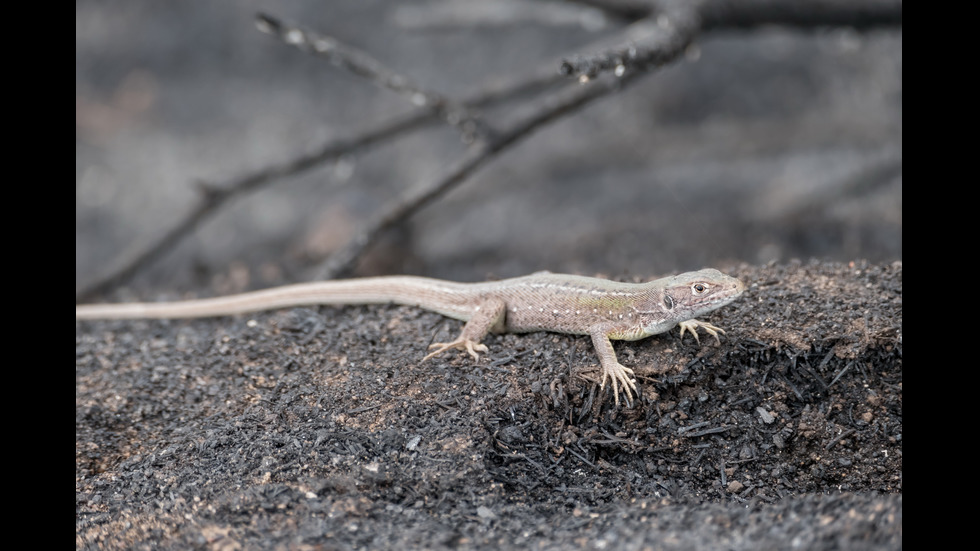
pixel 668 301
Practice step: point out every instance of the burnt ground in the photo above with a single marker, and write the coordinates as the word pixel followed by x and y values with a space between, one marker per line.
pixel 318 428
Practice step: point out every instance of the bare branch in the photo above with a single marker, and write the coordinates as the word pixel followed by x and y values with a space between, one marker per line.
pixel 734 14
pixel 362 64
pixel 341 262
pixel 216 195
pixel 643 45
pixel 663 41
pixel 648 41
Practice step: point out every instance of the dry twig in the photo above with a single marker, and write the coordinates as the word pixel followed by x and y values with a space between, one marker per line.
pixel 362 64
pixel 648 43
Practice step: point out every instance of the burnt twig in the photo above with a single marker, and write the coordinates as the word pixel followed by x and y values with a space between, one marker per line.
pixel 736 14
pixel 342 261
pixel 645 42
pixel 215 195
pixel 648 43
pixel 361 64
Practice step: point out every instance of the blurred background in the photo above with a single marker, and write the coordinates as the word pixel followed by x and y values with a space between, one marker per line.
pixel 762 144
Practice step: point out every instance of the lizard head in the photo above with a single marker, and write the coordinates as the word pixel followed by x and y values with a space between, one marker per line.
pixel 686 296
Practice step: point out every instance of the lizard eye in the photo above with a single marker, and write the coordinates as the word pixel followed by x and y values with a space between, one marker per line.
pixel 699 288
pixel 668 302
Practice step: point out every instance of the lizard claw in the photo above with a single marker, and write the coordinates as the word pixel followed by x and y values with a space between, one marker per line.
pixel 619 374
pixel 692 326
pixel 470 346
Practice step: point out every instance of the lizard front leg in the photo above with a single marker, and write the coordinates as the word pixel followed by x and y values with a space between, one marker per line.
pixel 612 369
pixel 489 315
pixel 692 326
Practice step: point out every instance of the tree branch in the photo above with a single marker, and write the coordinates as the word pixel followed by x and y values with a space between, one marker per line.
pixel 216 195
pixel 341 262
pixel 741 14
pixel 664 41
pixel 361 64
pixel 646 44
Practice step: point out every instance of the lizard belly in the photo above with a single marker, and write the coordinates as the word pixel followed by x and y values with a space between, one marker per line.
pixel 569 320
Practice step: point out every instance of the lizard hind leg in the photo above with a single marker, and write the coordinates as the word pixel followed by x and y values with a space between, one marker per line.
pixel 489 314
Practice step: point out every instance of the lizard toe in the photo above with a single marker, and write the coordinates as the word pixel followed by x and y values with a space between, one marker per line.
pixel 619 375
pixel 474 348
pixel 470 346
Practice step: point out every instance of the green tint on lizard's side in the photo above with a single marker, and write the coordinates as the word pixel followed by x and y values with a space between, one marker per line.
pixel 542 301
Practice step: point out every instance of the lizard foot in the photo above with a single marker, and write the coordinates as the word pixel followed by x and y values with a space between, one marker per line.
pixel 468 345
pixel 619 374
pixel 692 326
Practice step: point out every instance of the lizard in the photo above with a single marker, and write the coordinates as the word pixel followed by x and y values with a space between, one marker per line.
pixel 543 301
